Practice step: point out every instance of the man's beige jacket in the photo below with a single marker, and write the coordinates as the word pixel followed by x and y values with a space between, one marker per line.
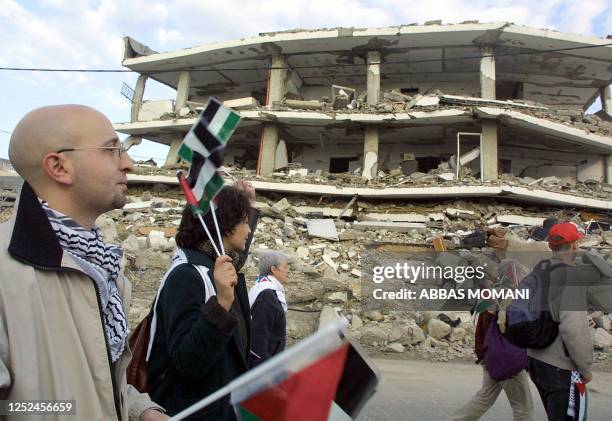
pixel 52 342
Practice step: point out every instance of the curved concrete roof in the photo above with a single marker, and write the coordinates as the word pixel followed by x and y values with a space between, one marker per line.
pixel 364 39
pixel 426 53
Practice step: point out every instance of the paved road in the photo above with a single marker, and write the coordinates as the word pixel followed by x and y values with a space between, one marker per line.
pixel 424 391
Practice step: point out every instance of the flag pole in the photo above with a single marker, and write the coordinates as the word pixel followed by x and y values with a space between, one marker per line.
pixel 195 208
pixel 214 214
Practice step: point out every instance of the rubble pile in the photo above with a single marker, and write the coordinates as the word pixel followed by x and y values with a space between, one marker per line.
pixel 394 101
pixel 443 176
pixel 329 254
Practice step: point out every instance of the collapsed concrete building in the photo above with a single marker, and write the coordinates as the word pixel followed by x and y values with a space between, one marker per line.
pixel 507 100
pixel 6 166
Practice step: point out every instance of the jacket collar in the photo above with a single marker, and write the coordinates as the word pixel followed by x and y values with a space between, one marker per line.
pixel 33 241
pixel 196 257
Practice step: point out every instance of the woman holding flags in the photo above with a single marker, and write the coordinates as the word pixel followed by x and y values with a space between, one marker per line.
pixel 201 324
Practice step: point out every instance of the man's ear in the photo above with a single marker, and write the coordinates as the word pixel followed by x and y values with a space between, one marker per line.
pixel 58 168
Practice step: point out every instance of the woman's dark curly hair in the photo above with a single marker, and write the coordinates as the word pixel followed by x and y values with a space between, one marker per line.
pixel 233 207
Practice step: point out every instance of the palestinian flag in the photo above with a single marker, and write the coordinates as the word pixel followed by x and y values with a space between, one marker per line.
pixel 203 148
pixel 305 395
pixel 319 381
pixel 325 377
pixel 210 133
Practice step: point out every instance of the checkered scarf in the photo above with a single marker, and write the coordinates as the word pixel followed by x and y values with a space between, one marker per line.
pixel 101 262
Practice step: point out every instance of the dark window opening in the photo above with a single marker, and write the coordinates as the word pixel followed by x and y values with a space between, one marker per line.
pixel 427 163
pixel 508 90
pixel 339 165
pixel 409 91
pixel 505 166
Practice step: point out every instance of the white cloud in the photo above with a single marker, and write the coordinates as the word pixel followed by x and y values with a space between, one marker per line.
pixel 168 36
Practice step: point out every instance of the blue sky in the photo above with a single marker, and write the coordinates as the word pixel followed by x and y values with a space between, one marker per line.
pixel 88 34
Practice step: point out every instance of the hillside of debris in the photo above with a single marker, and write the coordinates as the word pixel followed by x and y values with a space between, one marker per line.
pixel 331 242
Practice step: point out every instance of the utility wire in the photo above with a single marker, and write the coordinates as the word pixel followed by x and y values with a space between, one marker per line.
pixel 531 52
pixel 4 131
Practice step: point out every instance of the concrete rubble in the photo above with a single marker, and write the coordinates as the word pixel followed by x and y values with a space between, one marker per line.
pixel 328 257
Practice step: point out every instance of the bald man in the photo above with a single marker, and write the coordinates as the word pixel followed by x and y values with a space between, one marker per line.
pixel 63 300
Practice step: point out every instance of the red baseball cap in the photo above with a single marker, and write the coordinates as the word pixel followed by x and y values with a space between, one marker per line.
pixel 563 233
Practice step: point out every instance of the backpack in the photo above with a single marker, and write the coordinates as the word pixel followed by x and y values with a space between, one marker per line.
pixel 140 340
pixel 529 322
pixel 502 359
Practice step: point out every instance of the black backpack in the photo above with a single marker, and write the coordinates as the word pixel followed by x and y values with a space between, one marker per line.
pixel 529 323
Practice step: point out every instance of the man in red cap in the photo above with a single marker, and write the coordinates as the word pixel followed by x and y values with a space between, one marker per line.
pixel 579 280
pixel 563 237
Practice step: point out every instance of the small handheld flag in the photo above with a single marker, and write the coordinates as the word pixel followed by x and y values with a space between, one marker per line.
pixel 203 148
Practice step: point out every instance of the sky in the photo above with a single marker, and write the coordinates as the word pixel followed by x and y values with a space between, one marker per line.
pixel 85 34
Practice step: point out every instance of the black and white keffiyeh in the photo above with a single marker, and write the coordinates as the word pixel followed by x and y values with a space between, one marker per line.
pixel 102 263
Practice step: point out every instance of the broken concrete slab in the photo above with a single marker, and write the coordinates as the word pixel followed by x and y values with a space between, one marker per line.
pixel 248 103
pixel 302 252
pixel 328 316
pixel 138 205
pixel 350 235
pixel 449 176
pixel 304 105
pixel 428 101
pixel 281 206
pixel 520 220
pixel 469 156
pixel 156 240
pixel 302 172
pixel 396 217
pixel 323 228
pixel 322 211
pixel 390 226
pixel 509 192
pixel 591 241
pixel 436 216
pixel 460 213
pixel 131 244
pixel 327 259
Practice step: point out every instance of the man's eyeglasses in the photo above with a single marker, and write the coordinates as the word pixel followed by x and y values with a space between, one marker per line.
pixel 117 151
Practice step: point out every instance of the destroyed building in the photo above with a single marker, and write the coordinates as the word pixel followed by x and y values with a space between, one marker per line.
pixel 509 100
pixel 345 127
pixel 6 166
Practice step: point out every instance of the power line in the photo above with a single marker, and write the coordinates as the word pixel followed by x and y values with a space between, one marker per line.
pixel 4 131
pixel 531 52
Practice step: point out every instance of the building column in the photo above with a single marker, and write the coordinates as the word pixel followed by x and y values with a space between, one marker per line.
pixel 373 78
pixel 370 152
pixel 487 73
pixel 370 142
pixel 173 159
pixel 267 149
pixel 277 88
pixel 609 169
pixel 488 150
pixel 605 95
pixel 182 90
pixel 138 96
